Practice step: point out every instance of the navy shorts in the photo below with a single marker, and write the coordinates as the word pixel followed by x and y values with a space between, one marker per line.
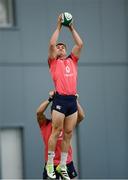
pixel 70 168
pixel 65 104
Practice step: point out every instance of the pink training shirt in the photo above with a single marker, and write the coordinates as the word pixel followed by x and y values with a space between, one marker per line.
pixel 64 74
pixel 46 129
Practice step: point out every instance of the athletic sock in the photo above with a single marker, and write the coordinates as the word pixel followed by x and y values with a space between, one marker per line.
pixel 51 156
pixel 63 159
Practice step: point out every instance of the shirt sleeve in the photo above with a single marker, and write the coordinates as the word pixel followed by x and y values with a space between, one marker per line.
pixel 74 58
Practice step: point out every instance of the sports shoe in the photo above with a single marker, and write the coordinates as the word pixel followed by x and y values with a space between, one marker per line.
pixel 50 171
pixel 62 170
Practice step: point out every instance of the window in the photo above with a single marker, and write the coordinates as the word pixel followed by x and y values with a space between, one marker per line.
pixel 11 163
pixel 6 13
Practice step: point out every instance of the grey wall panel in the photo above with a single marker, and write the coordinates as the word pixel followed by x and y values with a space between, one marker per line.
pixel 114 31
pixel 104 96
pixel 10 46
pixel 116 101
pixel 87 17
pixel 1 93
pixel 93 155
pixel 102 81
pixel 12 95
pixel 34 30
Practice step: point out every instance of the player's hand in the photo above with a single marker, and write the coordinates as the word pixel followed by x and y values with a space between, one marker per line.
pixel 51 93
pixel 77 96
pixel 51 96
pixel 59 25
pixel 71 26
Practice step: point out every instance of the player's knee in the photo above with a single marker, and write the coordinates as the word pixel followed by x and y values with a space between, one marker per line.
pixel 57 130
pixel 68 133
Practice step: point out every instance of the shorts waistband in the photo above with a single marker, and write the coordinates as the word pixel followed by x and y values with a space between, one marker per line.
pixel 64 96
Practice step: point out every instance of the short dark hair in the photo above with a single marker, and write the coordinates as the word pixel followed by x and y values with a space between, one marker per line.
pixel 60 43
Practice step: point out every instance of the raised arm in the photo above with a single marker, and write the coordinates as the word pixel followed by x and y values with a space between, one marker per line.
pixel 54 38
pixel 81 114
pixel 78 41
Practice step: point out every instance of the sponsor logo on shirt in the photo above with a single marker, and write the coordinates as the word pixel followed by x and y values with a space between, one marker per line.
pixel 67 69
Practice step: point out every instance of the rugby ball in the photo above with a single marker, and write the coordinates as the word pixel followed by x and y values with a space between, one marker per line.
pixel 67 19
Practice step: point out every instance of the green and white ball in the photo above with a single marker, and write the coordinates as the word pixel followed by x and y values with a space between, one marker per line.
pixel 66 19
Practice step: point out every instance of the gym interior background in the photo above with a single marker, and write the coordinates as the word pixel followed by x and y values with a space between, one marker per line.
pixel 101 140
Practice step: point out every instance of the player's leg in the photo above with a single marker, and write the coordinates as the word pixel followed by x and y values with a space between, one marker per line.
pixel 69 124
pixel 57 126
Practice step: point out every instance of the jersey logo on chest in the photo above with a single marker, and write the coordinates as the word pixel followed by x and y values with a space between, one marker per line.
pixel 67 69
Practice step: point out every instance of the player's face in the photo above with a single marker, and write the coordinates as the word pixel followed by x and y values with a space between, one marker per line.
pixel 61 50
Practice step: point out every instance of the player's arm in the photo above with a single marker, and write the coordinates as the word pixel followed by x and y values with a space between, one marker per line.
pixel 81 113
pixel 43 106
pixel 53 40
pixel 78 41
pixel 40 112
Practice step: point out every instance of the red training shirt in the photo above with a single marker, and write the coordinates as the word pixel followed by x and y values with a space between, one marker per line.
pixel 64 74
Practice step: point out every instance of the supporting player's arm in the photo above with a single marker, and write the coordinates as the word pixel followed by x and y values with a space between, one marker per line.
pixel 43 106
pixel 78 41
pixel 81 113
pixel 54 38
pixel 40 111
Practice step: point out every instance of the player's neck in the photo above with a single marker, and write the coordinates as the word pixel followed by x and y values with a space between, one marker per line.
pixel 61 57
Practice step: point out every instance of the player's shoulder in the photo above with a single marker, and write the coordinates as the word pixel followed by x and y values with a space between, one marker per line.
pixel 72 57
